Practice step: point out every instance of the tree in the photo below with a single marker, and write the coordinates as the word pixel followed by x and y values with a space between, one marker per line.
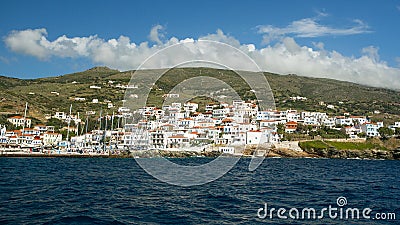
pixel 35 121
pixel 64 134
pixel 362 135
pixel 385 132
pixel 313 134
pixel 397 131
pixel 301 128
pixel 280 128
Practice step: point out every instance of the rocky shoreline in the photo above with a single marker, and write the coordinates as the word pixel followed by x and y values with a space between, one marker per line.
pixel 336 154
pixel 272 153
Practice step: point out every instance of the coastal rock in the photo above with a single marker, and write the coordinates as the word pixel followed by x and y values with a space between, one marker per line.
pixel 362 154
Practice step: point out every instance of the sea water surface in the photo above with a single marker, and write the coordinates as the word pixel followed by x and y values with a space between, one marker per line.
pixel 119 191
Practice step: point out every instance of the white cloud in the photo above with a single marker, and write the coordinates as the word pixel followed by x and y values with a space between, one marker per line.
pixel 155 34
pixel 284 57
pixel 310 27
pixel 372 52
pixel 28 42
pixel 288 57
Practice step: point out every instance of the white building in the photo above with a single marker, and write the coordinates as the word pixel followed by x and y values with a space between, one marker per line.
pixel 41 128
pixel 220 113
pixel 269 123
pixel 60 115
pixel 82 141
pixel 19 121
pixel 359 119
pixel 177 141
pixel 371 129
pixel 186 123
pixel 227 150
pixel 330 106
pixel 123 110
pixel 254 137
pixel 37 142
pixel 298 98
pixel 269 115
pixel 3 138
pixel 190 107
pixel 313 121
pixel 328 122
pixel 291 127
pixel 290 115
pixel 395 126
pixel 158 139
pixel 30 131
pixel 343 121
pixel 353 131
pixel 51 138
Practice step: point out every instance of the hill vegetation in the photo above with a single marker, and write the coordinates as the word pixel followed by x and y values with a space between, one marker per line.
pixel 48 95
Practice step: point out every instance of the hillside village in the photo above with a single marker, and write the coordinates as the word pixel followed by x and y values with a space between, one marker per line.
pixel 183 126
pixel 328 109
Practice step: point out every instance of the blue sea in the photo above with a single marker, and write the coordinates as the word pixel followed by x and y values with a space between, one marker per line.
pixel 119 191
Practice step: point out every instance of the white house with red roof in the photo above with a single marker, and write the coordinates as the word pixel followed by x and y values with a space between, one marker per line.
pixel 41 128
pixel 30 131
pixel 177 141
pixel 290 127
pixel 353 131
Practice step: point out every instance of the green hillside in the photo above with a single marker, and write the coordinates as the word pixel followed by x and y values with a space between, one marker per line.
pixel 41 94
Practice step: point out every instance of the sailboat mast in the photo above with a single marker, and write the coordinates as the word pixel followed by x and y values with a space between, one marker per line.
pixel 112 128
pixel 69 121
pixel 105 133
pixel 112 122
pixel 77 126
pixel 23 125
pixel 86 125
pixel 100 119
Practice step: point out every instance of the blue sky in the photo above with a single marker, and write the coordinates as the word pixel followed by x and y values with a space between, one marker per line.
pixel 353 35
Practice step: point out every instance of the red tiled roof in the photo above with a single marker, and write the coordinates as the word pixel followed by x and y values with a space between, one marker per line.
pixel 177 136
